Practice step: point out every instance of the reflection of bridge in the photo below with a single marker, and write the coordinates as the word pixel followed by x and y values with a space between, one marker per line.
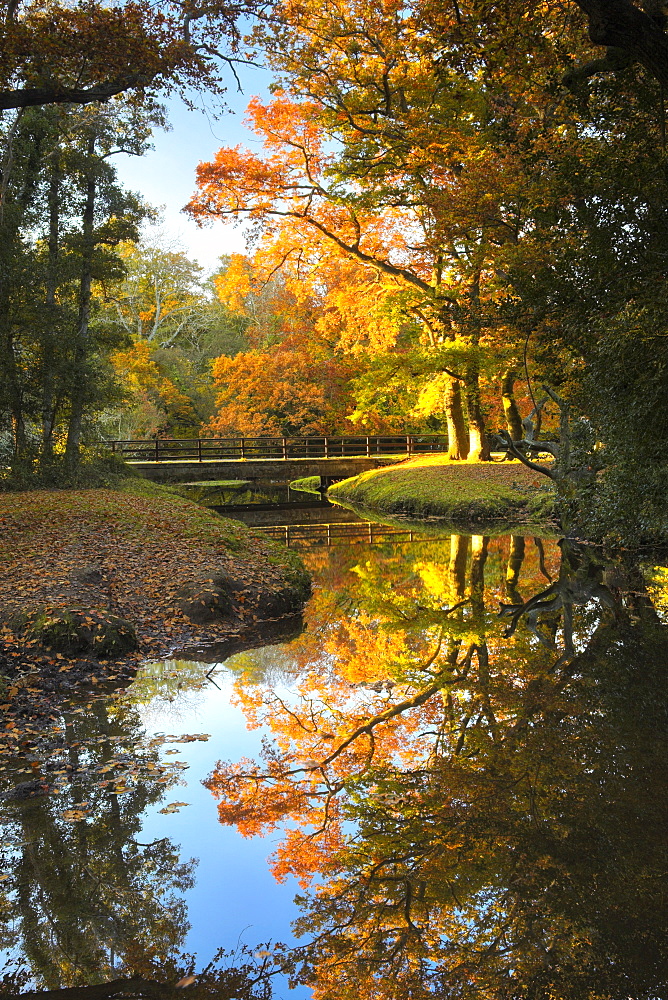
pixel 281 448
pixel 303 536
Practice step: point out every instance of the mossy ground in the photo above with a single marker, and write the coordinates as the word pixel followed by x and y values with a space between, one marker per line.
pixel 124 552
pixel 465 493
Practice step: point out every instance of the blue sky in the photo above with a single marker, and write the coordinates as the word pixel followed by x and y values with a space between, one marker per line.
pixel 166 176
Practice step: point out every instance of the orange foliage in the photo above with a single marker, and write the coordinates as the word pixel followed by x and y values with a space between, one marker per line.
pixel 422 764
pixel 376 686
pixel 289 389
pixel 152 395
pixel 309 313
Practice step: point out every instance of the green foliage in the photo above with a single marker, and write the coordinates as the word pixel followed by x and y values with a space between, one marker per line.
pixel 98 468
pixel 407 385
pixel 625 385
pixel 63 218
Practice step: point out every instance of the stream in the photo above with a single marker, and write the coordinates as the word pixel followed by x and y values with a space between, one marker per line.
pixel 451 784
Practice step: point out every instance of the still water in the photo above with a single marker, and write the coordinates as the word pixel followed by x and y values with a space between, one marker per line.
pixel 451 784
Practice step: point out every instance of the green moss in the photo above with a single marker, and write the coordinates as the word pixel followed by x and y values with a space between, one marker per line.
pixel 310 484
pixel 464 493
pixel 227 484
pixel 95 632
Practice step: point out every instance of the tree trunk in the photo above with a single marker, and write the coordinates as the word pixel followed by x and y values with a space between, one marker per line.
pixel 11 375
pixel 510 408
pixel 48 391
pixel 458 446
pixel 622 24
pixel 479 545
pixel 478 445
pixel 77 392
pixel 10 384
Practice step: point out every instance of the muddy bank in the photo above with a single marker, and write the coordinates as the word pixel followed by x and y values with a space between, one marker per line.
pixel 96 581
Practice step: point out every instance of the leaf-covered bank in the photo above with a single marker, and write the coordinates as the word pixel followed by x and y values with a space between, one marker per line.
pixel 98 580
pixel 466 493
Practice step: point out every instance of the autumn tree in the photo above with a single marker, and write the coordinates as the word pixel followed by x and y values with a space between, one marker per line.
pixel 404 185
pixel 61 53
pixel 297 379
pixel 173 324
pixel 291 186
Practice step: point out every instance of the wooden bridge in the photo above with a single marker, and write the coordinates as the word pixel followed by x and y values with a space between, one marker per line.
pixel 270 458
pixel 281 448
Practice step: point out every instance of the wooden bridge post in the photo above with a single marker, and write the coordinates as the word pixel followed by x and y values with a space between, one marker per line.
pixel 326 447
pixel 285 447
pixel 157 450
pixel 199 449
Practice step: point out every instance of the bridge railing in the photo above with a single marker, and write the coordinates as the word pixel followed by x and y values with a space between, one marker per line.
pixel 305 536
pixel 210 449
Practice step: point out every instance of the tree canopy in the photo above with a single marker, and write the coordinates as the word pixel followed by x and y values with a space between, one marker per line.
pixel 81 53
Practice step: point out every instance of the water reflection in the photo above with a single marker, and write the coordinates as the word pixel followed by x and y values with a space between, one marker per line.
pixel 473 801
pixel 83 893
pixel 462 767
pixel 95 888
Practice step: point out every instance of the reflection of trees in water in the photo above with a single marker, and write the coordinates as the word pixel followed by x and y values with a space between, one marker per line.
pixel 87 896
pixel 168 690
pixel 474 802
pixel 238 975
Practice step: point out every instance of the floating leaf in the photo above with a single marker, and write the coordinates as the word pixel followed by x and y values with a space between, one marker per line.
pixel 74 815
pixel 174 807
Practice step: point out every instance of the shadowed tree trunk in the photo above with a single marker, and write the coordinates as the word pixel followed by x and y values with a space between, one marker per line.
pixel 78 390
pixel 459 547
pixel 48 358
pixel 14 202
pixel 515 560
pixel 635 30
pixel 510 408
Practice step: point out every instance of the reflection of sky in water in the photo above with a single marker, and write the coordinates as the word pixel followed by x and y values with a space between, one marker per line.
pixel 235 895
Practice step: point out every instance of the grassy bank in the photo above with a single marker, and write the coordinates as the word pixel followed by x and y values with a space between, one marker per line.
pixel 98 579
pixel 465 493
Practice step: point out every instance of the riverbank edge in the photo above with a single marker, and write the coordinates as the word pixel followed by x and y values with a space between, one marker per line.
pixel 465 494
pixel 208 581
